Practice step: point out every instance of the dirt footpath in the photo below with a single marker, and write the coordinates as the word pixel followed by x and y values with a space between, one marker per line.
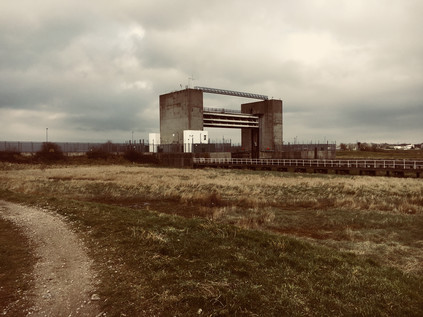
pixel 63 275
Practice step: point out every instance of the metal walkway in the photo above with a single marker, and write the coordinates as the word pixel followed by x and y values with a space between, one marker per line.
pixel 223 118
pixel 231 93
pixel 399 168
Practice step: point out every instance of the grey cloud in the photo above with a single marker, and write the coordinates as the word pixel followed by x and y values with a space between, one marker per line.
pixel 341 67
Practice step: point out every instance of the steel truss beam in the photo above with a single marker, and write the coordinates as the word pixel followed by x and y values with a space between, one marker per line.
pixel 231 93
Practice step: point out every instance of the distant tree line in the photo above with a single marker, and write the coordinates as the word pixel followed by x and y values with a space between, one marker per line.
pixel 52 153
pixel 373 147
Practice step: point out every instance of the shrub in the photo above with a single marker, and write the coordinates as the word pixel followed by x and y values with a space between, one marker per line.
pixel 98 153
pixel 11 156
pixel 104 151
pixel 138 157
pixel 50 152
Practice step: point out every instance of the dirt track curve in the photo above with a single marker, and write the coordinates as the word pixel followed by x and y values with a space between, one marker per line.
pixel 63 275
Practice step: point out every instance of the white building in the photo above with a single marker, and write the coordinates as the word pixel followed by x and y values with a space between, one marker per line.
pixel 154 142
pixel 192 137
pixel 404 147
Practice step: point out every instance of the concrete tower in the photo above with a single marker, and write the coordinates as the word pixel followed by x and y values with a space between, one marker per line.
pixel 269 136
pixel 179 111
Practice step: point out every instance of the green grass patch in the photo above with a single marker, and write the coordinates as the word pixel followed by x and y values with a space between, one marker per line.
pixel 16 267
pixel 164 265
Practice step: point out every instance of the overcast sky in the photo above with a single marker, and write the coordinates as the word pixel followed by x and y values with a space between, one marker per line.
pixel 346 70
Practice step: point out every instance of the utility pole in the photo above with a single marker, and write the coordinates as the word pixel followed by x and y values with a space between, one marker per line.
pixel 46 135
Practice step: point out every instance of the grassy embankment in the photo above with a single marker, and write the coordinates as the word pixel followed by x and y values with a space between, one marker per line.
pixel 16 264
pixel 152 261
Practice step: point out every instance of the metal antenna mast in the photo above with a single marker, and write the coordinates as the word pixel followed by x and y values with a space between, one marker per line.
pixel 190 79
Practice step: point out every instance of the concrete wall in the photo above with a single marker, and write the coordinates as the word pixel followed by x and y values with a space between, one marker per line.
pixel 223 155
pixel 307 155
pixel 175 159
pixel 270 123
pixel 179 111
pixel 186 159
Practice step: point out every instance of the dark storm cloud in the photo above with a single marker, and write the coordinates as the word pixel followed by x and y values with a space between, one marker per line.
pixel 350 69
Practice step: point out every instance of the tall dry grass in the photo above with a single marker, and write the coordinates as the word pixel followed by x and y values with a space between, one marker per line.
pixel 222 187
pixel 378 217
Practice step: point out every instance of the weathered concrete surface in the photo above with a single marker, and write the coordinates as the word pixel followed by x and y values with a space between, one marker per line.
pixel 179 111
pixel 183 110
pixel 270 135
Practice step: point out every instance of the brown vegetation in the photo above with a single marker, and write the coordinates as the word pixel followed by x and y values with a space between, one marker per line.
pixel 152 262
pixel 381 217
pixel 16 265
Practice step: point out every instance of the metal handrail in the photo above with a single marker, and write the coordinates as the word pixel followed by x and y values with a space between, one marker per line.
pixel 367 164
pixel 222 110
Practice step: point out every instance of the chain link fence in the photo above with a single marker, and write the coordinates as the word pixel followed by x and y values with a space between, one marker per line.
pixel 66 147
pixel 79 148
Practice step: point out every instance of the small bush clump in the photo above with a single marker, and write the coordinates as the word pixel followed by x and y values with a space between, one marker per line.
pixel 50 152
pixel 138 157
pixel 11 156
pixel 103 152
pixel 98 153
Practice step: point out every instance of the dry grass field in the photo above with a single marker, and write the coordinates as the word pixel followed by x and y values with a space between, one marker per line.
pixel 375 216
pixel 16 262
pixel 376 219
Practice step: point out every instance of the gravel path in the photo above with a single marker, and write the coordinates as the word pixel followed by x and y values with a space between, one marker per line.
pixel 64 280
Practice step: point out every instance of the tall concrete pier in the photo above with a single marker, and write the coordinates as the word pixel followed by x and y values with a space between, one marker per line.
pixel 179 111
pixel 269 136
